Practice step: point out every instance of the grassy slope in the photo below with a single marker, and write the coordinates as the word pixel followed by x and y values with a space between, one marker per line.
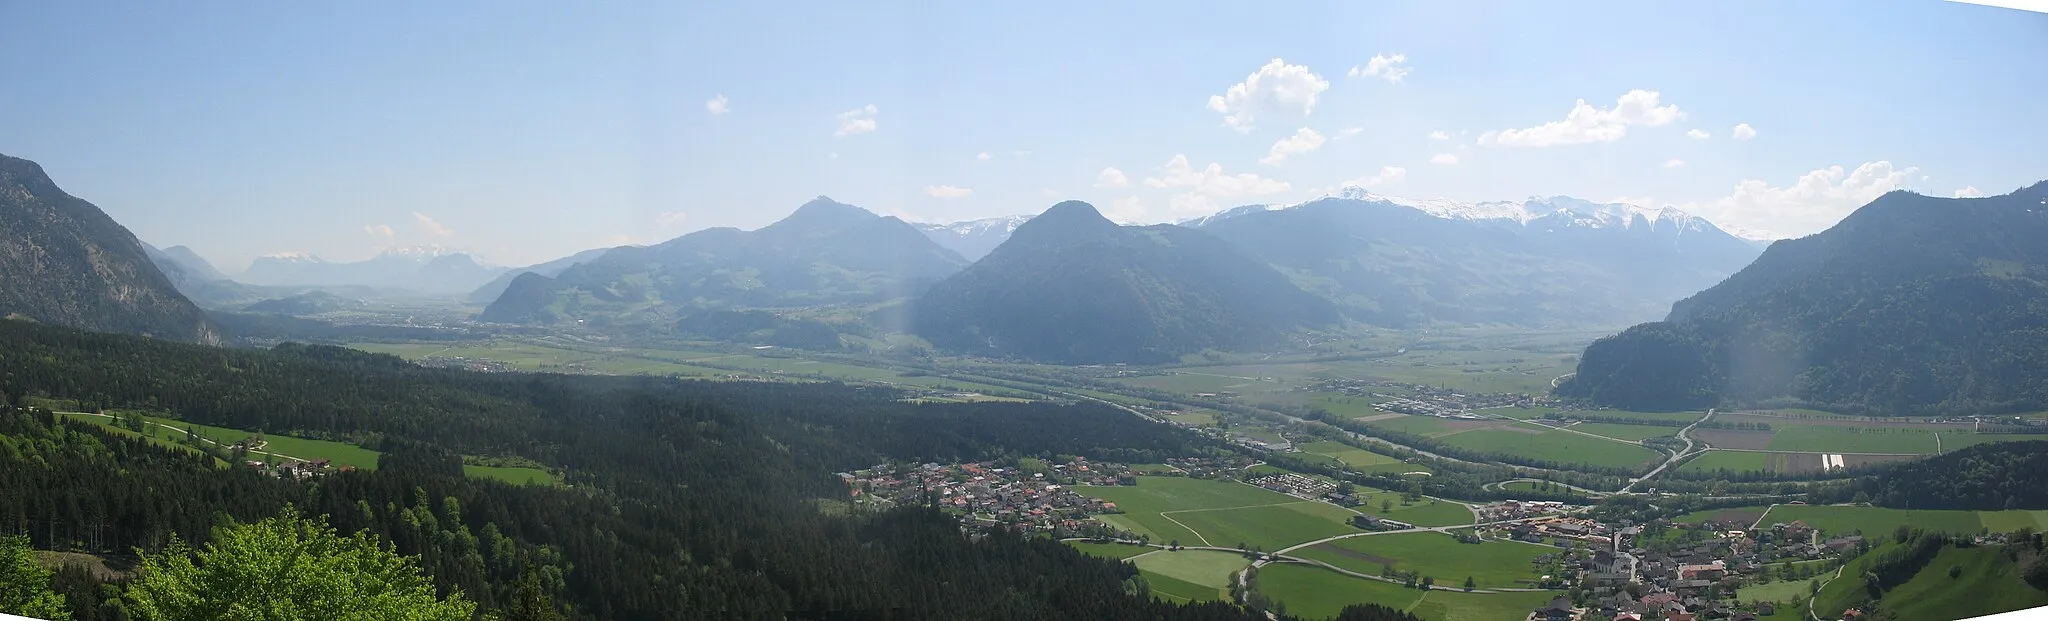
pixel 1988 584
pixel 1227 513
pixel 1491 564
pixel 1317 593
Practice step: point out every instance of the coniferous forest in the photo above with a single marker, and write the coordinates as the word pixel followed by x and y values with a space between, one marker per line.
pixel 682 499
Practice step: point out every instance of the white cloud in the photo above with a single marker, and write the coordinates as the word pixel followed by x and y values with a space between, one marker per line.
pixel 1388 175
pixel 1277 87
pixel 1112 178
pixel 1697 134
pixel 983 156
pixel 1208 184
pixel 1640 201
pixel 1815 201
pixel 1586 123
pixel 1049 193
pixel 947 191
pixel 1439 135
pixel 1393 68
pixel 431 226
pixel 380 230
pixel 1126 209
pixel 1968 191
pixel 1744 132
pixel 1348 132
pixel 1673 163
pixel 856 121
pixel 618 239
pixel 1304 140
pixel 717 105
pixel 1445 159
pixel 832 156
pixel 672 218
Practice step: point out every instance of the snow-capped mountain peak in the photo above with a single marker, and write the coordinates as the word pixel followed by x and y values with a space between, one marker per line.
pixel 417 253
pixel 972 238
pixel 293 257
pixel 1535 210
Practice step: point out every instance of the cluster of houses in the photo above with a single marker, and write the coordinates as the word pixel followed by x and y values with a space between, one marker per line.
pixel 1686 577
pixel 1517 509
pixel 298 470
pixel 1561 529
pixel 1023 499
pixel 1422 399
pixel 1210 467
pixel 465 363
pixel 1296 485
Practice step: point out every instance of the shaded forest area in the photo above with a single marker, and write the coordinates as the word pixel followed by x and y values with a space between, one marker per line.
pixel 683 499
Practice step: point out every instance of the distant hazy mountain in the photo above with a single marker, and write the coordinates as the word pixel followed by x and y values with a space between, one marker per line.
pixel 973 239
pixel 63 261
pixel 187 262
pixel 496 287
pixel 1071 286
pixel 1549 262
pixel 1912 304
pixel 824 253
pixel 423 269
pixel 309 303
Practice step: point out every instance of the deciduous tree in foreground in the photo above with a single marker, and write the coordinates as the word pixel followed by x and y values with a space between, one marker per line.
pixel 287 568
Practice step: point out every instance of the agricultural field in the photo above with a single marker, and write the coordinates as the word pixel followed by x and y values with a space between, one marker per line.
pixel 511 474
pixel 1757 461
pixel 1312 592
pixel 1492 564
pixel 1532 441
pixel 1110 550
pixel 1427 512
pixel 1879 521
pixel 1632 433
pixel 1207 569
pixel 1350 456
pixel 163 437
pixel 1831 439
pixel 1418 425
pixel 1218 513
pixel 173 431
pixel 1780 591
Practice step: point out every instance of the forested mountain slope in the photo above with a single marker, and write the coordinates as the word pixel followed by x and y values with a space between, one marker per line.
pixel 1911 305
pixel 825 252
pixel 1555 261
pixel 685 500
pixel 1071 286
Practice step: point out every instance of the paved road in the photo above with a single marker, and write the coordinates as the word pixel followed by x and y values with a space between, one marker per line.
pixel 1683 434
pixel 1497 484
pixel 201 438
pixel 1271 557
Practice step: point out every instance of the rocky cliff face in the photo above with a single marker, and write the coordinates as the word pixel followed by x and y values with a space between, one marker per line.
pixel 64 262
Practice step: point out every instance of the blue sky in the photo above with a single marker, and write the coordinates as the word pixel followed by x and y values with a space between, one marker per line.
pixel 525 131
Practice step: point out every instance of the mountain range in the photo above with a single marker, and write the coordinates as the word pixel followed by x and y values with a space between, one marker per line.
pixel 490 291
pixel 1539 262
pixel 1912 304
pixel 63 261
pixel 825 253
pixel 1070 286
pixel 973 239
pixel 421 269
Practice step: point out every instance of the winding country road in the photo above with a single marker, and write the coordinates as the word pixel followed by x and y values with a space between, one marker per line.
pixel 1683 434
pixel 201 438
